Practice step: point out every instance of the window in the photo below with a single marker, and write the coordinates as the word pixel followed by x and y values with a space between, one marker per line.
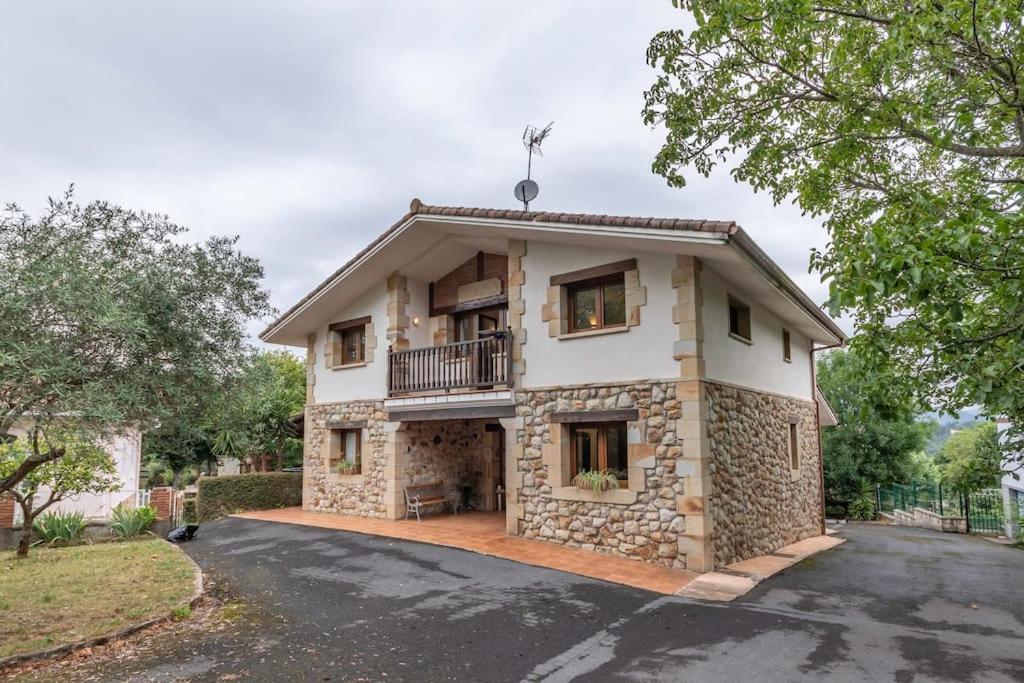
pixel 348 341
pixel 794 447
pixel 600 446
pixel 787 354
pixel 739 319
pixel 597 304
pixel 353 346
pixel 345 448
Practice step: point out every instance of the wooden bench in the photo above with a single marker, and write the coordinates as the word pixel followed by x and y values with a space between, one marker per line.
pixel 420 495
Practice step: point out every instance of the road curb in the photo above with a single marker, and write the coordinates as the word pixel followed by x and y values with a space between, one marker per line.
pixel 7 663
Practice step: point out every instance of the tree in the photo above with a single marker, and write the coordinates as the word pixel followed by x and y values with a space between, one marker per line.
pixel 878 434
pixel 258 421
pixel 110 318
pixel 83 467
pixel 971 459
pixel 247 415
pixel 902 125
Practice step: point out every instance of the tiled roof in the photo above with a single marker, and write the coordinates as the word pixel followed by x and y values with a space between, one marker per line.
pixel 418 208
pixel 647 223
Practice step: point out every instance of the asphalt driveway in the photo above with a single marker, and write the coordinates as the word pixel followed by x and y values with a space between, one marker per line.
pixel 315 605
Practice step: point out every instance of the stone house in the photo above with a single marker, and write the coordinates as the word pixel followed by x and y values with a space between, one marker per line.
pixel 499 353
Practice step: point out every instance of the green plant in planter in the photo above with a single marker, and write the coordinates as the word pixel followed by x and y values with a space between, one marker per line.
pixel 346 467
pixel 596 480
pixel 54 527
pixel 126 522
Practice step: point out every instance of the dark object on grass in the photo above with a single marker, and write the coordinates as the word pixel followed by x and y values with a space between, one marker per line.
pixel 182 533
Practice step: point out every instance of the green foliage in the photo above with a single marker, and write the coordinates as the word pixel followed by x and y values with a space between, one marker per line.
pixel 189 513
pixel 877 440
pixel 126 522
pixel 110 317
pixel 1020 530
pixel 59 526
pixel 245 415
pixel 901 125
pixel 862 508
pixel 83 467
pixel 222 496
pixel 971 459
pixel 596 480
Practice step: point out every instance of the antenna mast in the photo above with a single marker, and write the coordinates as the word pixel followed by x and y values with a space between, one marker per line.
pixel 526 190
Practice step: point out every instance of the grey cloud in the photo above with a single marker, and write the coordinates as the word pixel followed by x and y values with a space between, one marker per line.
pixel 306 127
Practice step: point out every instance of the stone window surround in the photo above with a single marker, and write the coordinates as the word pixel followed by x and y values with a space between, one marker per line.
pixel 365 447
pixel 555 312
pixel 557 456
pixel 332 343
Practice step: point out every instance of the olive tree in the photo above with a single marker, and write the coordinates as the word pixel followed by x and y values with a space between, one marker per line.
pixel 110 317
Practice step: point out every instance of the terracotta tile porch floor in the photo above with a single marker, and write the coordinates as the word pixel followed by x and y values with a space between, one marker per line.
pixel 484 532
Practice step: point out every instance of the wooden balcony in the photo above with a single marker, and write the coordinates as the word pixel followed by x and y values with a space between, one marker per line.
pixel 479 364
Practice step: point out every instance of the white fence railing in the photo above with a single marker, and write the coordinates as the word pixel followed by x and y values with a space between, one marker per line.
pixel 93 506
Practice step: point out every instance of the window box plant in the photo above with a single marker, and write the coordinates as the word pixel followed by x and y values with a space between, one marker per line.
pixel 596 480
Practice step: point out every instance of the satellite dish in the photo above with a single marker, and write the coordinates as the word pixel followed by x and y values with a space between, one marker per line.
pixel 526 191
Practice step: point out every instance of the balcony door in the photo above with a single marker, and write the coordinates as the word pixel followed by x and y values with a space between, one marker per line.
pixel 473 325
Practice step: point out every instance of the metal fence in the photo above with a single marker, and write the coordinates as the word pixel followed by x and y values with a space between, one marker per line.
pixel 983 509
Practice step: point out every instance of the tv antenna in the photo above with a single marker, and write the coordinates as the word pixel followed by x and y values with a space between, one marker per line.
pixel 526 190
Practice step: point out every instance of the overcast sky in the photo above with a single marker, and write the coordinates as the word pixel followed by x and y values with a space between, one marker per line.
pixel 307 127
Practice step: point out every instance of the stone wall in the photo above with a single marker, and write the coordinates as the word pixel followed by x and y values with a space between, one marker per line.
pixel 758 503
pixel 451 451
pixel 646 524
pixel 361 495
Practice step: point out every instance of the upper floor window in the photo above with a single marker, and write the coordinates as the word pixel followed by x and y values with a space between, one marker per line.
pixel 600 446
pixel 597 303
pixel 739 319
pixel 787 351
pixel 348 342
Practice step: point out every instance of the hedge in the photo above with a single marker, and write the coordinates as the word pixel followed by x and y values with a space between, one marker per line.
pixel 226 495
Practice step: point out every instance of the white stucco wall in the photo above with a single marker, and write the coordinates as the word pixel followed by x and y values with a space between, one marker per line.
pixel 644 352
pixel 363 382
pixel 759 365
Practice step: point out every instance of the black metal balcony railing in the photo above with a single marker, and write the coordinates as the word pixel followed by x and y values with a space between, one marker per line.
pixel 477 364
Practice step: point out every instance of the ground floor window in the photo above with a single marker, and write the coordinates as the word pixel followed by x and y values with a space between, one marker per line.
pixel 600 446
pixel 345 452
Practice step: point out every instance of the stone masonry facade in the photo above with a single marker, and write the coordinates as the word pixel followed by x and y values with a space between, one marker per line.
pixel 641 523
pixel 759 503
pixel 361 495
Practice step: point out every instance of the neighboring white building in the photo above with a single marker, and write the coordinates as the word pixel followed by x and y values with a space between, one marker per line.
pixel 1013 491
pixel 501 352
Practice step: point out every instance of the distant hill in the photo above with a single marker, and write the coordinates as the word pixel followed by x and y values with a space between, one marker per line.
pixel 948 423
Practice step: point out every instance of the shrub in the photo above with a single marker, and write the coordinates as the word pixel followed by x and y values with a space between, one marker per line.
pixel 596 480
pixel 226 495
pixel 59 526
pixel 863 508
pixel 188 511
pixel 1020 530
pixel 126 522
pixel 835 511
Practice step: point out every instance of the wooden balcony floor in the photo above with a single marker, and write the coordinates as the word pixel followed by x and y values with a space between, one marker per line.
pixel 484 532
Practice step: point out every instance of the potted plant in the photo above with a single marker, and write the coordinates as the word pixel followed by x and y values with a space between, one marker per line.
pixel 346 467
pixel 596 480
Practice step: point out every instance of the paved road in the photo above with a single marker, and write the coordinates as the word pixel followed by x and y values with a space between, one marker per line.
pixel 890 604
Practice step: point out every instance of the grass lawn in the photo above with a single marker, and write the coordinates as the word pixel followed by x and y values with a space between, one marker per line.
pixel 61 595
